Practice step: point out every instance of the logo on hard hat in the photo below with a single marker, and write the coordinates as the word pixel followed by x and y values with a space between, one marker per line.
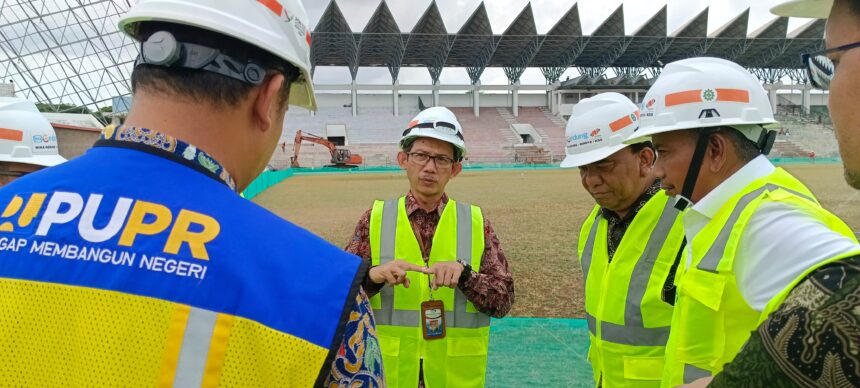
pixel 709 95
pixel 276 7
pixel 648 108
pixel 579 136
pixel 44 138
pixel 584 138
pixel 650 104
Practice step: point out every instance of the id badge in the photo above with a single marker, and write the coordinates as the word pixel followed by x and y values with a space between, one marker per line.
pixel 433 319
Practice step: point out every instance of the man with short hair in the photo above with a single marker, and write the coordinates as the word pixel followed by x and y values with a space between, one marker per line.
pixel 432 255
pixel 752 228
pixel 28 142
pixel 810 337
pixel 627 245
pixel 138 263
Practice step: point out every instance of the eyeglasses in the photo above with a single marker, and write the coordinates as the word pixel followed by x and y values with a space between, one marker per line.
pixel 421 158
pixel 820 67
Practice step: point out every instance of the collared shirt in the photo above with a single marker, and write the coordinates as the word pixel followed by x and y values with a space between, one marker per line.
pixel 359 360
pixel 811 340
pixel 617 226
pixel 491 289
pixel 780 241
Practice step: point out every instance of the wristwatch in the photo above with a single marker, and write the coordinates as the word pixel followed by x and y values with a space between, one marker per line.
pixel 467 271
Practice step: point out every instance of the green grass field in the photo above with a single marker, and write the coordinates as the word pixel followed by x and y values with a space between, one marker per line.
pixel 536 213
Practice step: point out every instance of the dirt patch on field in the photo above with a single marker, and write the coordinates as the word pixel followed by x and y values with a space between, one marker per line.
pixel 536 213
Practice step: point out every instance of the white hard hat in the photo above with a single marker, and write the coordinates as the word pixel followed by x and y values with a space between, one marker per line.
pixel 277 26
pixel 26 136
pixel 438 123
pixel 817 9
pixel 702 93
pixel 598 127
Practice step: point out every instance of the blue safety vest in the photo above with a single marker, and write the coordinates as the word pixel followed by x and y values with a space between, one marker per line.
pixel 159 274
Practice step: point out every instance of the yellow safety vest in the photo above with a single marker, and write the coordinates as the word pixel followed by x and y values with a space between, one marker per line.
pixel 459 359
pixel 628 321
pixel 712 320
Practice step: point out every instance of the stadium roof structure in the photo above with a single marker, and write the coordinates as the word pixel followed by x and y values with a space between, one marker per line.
pixel 64 51
pixel 771 52
pixel 70 52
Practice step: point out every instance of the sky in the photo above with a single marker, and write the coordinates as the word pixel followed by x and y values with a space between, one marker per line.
pixel 546 13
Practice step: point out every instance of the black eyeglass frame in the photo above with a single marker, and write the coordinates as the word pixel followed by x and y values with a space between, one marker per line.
pixel 435 159
pixel 807 57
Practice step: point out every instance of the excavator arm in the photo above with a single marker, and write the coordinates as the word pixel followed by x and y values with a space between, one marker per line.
pixel 340 157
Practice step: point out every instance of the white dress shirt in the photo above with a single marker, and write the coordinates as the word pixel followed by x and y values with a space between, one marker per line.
pixel 780 241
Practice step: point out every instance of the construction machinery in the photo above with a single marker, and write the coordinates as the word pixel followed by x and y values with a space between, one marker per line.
pixel 340 157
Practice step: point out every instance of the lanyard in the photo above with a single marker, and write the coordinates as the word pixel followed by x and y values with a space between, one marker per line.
pixel 425 256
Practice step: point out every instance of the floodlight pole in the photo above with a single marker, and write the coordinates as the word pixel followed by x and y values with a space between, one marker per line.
pixel 516 100
pixel 395 93
pixel 354 98
pixel 476 100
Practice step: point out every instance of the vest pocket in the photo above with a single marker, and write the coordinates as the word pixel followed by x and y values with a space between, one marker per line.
pixel 643 368
pixel 389 346
pixel 467 346
pixel 466 363
pixel 705 287
pixel 701 337
pixel 390 349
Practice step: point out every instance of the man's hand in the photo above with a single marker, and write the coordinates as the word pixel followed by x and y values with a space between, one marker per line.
pixel 394 273
pixel 445 274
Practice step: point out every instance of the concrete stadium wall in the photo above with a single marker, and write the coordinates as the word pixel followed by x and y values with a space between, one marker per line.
pixel 74 143
pixel 797 98
pixel 409 102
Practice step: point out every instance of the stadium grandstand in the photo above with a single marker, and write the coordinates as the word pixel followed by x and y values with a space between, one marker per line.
pixel 68 57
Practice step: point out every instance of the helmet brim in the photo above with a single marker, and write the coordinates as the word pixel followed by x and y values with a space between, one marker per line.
pixel 451 139
pixel 592 156
pixel 816 9
pixel 37 160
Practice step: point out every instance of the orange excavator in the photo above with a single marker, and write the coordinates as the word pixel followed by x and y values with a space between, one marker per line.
pixel 340 157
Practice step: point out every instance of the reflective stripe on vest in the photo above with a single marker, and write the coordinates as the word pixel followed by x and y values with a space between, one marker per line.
pixel 592 323
pixel 715 253
pixel 195 348
pixel 634 332
pixel 588 251
pixel 387 314
pixel 693 373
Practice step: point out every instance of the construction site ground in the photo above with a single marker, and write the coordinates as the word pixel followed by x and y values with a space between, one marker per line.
pixel 536 214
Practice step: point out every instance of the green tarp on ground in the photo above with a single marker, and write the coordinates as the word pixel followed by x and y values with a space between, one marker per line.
pixel 538 352
pixel 270 178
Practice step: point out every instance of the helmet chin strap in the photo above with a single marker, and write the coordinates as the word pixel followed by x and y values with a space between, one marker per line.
pixel 693 173
pixel 765 141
